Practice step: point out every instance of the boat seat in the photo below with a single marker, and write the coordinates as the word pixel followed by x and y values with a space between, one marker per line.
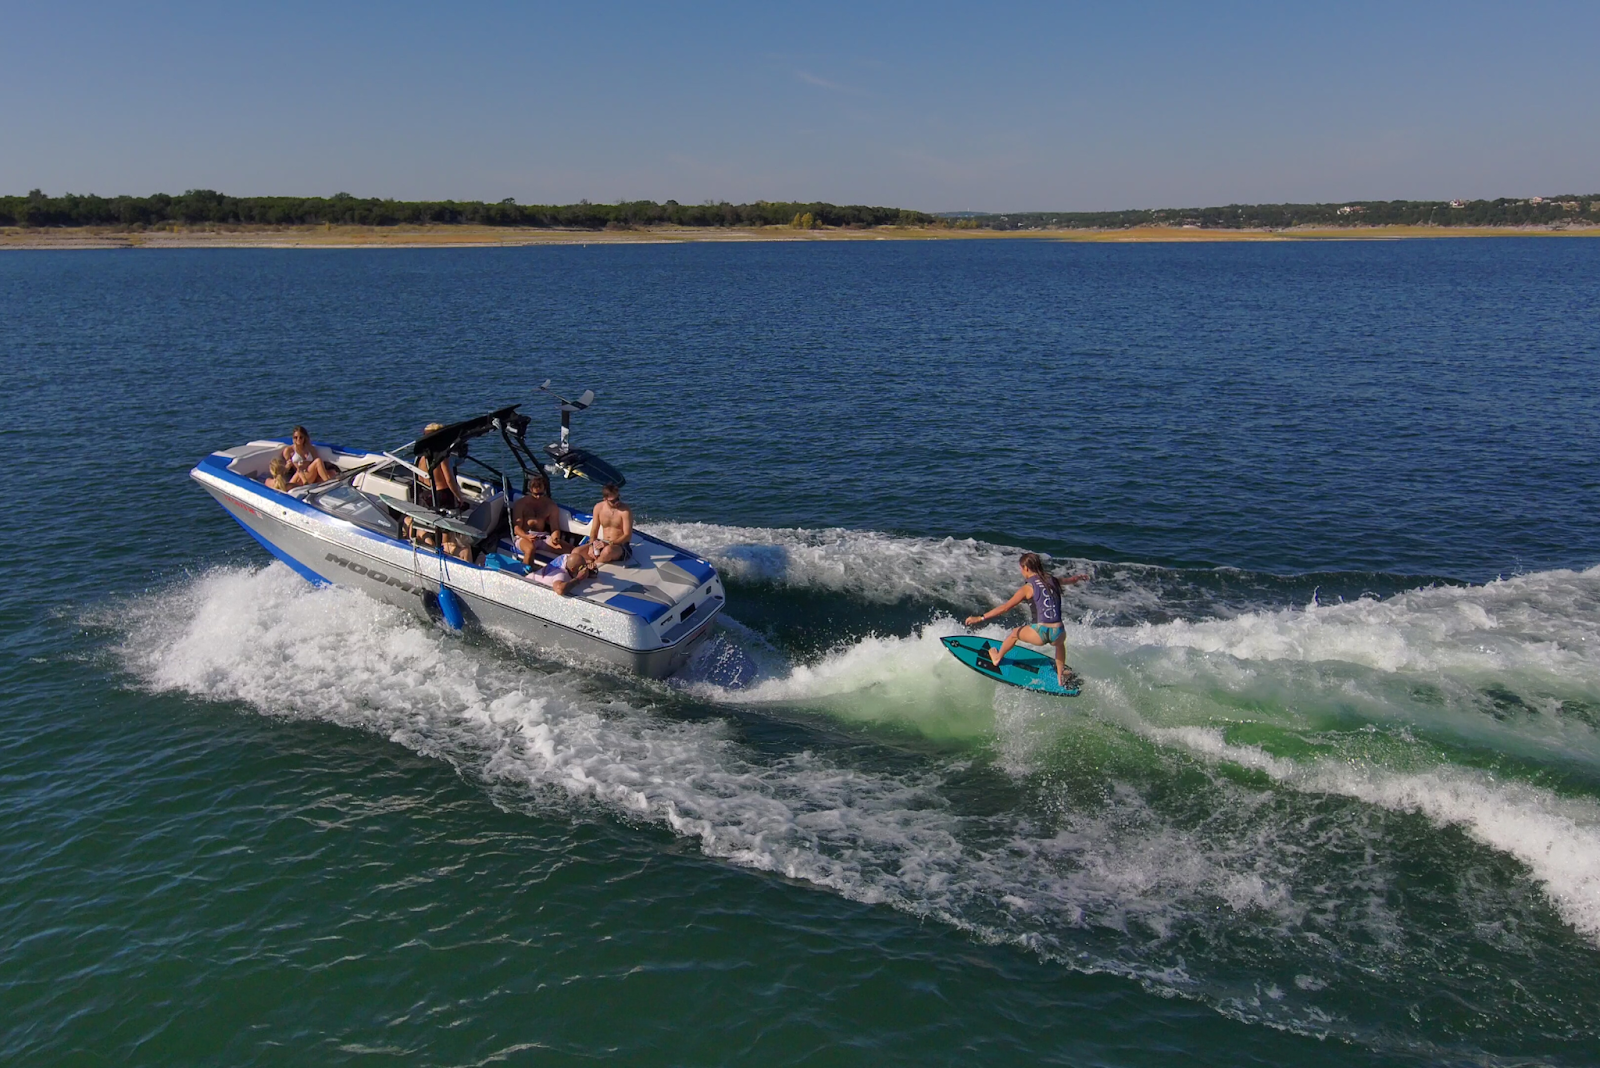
pixel 489 516
pixel 604 585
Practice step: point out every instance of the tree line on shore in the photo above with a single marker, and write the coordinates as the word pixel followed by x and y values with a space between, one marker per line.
pixel 202 207
pixel 199 207
pixel 1505 211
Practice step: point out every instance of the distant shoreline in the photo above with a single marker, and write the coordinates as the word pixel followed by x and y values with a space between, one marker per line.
pixel 458 235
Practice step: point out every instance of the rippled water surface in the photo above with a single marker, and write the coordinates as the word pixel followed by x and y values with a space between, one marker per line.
pixel 1330 796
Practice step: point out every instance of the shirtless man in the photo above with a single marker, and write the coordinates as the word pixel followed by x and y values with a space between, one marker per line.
pixel 438 489
pixel 612 528
pixel 536 520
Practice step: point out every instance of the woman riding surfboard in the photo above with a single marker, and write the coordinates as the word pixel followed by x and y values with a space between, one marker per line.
pixel 1048 627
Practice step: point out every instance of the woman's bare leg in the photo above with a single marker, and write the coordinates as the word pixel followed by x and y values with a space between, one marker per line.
pixel 1005 647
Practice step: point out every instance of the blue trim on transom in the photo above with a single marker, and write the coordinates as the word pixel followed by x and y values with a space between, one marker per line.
pixel 701 570
pixel 650 610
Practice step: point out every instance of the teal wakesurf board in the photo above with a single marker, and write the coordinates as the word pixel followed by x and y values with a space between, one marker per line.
pixel 1022 667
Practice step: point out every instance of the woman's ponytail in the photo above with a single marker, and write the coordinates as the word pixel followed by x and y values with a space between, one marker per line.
pixel 1031 562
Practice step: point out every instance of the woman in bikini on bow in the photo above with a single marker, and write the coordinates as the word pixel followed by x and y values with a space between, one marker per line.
pixel 309 468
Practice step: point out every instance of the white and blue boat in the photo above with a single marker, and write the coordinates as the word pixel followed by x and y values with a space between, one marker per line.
pixel 646 613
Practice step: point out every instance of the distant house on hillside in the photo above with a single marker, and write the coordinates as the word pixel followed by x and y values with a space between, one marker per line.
pixel 1458 203
pixel 1352 209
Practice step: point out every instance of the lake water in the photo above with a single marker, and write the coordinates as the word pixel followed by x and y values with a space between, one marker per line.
pixel 1331 794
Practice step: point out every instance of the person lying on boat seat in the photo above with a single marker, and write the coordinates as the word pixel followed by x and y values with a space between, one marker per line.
pixel 536 520
pixel 438 489
pixel 278 473
pixel 569 569
pixel 309 468
pixel 612 528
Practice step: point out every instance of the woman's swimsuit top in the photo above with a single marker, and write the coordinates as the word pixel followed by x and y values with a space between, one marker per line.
pixel 1046 602
pixel 299 460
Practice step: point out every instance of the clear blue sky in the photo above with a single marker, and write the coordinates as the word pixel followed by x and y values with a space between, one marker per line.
pixel 934 106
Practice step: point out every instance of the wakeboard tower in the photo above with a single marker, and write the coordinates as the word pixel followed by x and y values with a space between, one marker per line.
pixel 1022 668
pixel 571 461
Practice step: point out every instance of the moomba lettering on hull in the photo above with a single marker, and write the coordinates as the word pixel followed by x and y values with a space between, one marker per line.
pixel 373 574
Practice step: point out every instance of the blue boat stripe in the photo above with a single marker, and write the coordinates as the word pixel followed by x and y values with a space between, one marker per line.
pixel 304 571
pixel 216 465
pixel 650 610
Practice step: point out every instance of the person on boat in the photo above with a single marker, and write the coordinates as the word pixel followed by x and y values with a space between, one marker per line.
pixel 612 528
pixel 278 474
pixel 438 489
pixel 309 468
pixel 1048 627
pixel 460 547
pixel 569 569
pixel 536 520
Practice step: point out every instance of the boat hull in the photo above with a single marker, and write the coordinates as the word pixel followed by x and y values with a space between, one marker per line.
pixel 326 550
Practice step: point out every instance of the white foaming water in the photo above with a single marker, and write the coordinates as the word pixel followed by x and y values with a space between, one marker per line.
pixel 863 563
pixel 1539 632
pixel 909 681
pixel 267 639
pixel 1549 621
pixel 873 566
pixel 1062 885
pixel 1557 838
pixel 916 665
pixel 1542 628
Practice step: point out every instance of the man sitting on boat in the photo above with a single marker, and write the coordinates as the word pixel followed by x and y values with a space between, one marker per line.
pixel 612 528
pixel 536 520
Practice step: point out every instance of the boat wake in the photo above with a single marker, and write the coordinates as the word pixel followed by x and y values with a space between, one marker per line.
pixel 1301 815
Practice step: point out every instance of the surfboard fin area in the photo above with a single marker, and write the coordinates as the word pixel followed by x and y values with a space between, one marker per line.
pixel 1022 667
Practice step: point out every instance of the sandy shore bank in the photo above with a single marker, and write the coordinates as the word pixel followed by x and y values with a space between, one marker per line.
pixel 444 236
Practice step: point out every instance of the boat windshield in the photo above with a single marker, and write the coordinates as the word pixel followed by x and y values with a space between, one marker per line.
pixel 344 501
